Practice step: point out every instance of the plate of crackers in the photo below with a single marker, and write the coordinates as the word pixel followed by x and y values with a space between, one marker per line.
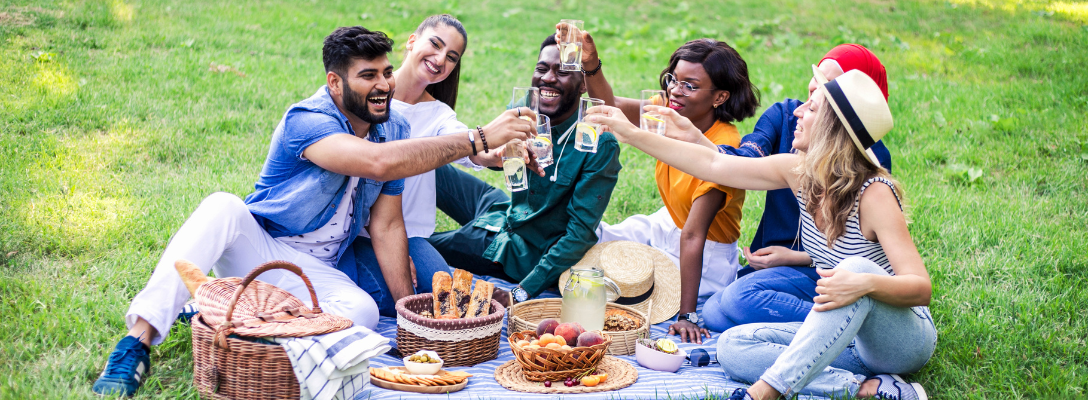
pixel 398 378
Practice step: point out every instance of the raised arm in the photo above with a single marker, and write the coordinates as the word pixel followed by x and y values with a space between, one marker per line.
pixel 356 156
pixel 597 85
pixel 767 173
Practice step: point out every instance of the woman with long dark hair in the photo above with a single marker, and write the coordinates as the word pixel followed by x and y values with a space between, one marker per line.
pixel 706 81
pixel 871 319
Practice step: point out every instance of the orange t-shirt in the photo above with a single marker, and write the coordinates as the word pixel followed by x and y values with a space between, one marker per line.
pixel 679 190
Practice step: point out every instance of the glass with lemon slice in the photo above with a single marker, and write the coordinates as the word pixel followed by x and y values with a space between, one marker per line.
pixel 568 37
pixel 652 121
pixel 587 134
pixel 513 166
pixel 541 145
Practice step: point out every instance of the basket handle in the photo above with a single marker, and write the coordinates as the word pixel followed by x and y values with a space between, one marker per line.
pixel 228 325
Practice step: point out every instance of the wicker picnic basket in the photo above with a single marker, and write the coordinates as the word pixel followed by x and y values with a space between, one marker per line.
pixel 527 315
pixel 459 342
pixel 544 364
pixel 226 367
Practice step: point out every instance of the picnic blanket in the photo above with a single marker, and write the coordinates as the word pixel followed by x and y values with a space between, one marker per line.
pixel 687 383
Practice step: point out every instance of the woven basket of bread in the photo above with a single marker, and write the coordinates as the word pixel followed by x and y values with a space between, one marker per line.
pixel 624 324
pixel 546 364
pixel 459 342
pixel 227 367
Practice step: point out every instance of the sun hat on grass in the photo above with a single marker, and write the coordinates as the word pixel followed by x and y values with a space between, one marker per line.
pixel 648 280
pixel 861 106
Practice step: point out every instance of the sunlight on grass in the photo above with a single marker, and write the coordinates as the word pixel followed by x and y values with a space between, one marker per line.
pixel 78 200
pixel 121 12
pixel 54 82
pixel 1078 12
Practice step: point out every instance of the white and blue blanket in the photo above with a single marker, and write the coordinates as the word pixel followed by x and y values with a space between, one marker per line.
pixel 687 383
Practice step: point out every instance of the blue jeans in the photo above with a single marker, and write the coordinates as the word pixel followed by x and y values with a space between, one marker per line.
pixel 832 352
pixel 368 274
pixel 779 294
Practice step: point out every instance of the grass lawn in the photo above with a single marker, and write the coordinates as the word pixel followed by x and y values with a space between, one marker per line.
pixel 117 118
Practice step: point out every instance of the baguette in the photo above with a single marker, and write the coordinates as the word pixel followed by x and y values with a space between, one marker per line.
pixel 442 285
pixel 480 305
pixel 191 275
pixel 462 289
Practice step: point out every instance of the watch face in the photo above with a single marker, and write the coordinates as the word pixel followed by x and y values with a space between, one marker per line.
pixel 520 295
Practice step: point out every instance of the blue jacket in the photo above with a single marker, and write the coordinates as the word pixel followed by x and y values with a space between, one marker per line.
pixel 294 196
pixel 773 134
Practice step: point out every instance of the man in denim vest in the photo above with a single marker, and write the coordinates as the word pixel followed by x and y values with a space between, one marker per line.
pixel 335 166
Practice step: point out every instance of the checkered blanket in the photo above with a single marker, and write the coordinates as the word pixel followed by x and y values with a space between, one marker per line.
pixel 687 383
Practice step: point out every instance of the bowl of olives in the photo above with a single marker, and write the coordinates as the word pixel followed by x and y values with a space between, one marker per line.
pixel 424 362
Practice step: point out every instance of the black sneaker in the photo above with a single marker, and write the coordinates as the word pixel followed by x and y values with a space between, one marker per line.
pixel 128 365
pixel 892 387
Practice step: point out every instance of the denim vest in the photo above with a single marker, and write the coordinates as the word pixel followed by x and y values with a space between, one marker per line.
pixel 293 195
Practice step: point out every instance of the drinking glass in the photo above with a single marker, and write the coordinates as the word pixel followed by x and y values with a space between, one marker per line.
pixel 652 121
pixel 541 145
pixel 513 166
pixel 527 97
pixel 587 134
pixel 569 40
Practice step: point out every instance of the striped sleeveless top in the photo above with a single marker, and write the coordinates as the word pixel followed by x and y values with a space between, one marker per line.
pixel 851 243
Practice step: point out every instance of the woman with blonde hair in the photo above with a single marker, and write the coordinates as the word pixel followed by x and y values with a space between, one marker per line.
pixel 871 319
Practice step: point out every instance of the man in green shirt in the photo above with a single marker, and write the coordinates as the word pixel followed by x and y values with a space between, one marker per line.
pixel 535 235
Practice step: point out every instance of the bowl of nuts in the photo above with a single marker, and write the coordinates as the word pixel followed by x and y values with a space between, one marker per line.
pixel 659 355
pixel 424 362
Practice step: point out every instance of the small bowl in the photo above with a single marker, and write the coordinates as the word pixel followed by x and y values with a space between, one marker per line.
pixel 418 368
pixel 659 361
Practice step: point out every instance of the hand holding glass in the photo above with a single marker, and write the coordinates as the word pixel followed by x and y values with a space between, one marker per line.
pixel 527 97
pixel 568 37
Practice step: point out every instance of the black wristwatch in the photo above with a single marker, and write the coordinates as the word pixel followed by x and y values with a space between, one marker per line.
pixel 692 317
pixel 519 294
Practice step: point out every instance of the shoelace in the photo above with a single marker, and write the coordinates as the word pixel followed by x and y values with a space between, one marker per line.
pixel 883 393
pixel 120 362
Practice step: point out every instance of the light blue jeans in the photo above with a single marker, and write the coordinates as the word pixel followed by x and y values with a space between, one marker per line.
pixel 831 352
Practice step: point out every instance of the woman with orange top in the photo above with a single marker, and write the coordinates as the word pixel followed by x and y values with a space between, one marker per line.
pixel 698 227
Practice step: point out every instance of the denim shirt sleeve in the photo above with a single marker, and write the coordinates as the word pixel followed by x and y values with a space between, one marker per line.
pixel 591 194
pixel 303 128
pixel 764 138
pixel 396 128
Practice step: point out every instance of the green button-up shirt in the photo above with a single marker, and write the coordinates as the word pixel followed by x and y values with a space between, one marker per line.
pixel 543 231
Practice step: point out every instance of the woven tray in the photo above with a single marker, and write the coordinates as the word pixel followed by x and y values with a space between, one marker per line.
pixel 462 342
pixel 527 315
pixel 620 375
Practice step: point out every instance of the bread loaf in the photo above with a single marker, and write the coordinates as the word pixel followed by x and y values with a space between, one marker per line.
pixel 462 289
pixel 191 275
pixel 480 305
pixel 442 286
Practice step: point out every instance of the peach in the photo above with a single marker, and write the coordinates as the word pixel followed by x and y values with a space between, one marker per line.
pixel 569 331
pixel 560 340
pixel 546 338
pixel 587 339
pixel 546 326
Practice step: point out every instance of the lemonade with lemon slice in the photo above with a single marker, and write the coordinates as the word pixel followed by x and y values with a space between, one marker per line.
pixel 586 135
pixel 568 36
pixel 585 296
pixel 541 146
pixel 513 166
pixel 652 122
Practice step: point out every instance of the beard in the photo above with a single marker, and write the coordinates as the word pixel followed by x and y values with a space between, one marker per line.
pixel 357 105
pixel 567 100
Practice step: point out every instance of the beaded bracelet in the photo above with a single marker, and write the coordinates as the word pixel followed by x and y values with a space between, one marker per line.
pixel 600 63
pixel 482 138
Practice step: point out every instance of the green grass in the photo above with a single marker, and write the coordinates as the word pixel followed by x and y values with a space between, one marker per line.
pixel 117 120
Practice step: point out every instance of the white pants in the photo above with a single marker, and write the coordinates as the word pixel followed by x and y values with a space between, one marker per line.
pixel 657 230
pixel 221 235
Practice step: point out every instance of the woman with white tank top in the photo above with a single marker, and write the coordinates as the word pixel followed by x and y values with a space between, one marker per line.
pixel 871 320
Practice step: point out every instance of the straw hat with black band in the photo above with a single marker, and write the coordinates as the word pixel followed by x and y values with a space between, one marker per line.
pixel 860 105
pixel 648 280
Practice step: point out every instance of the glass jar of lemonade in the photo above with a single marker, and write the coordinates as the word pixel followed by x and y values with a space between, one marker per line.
pixel 584 297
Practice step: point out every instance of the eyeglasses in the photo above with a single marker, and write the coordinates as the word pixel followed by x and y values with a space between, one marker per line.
pixel 686 89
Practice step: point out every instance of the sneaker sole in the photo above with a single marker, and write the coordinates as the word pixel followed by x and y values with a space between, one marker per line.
pixel 917 387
